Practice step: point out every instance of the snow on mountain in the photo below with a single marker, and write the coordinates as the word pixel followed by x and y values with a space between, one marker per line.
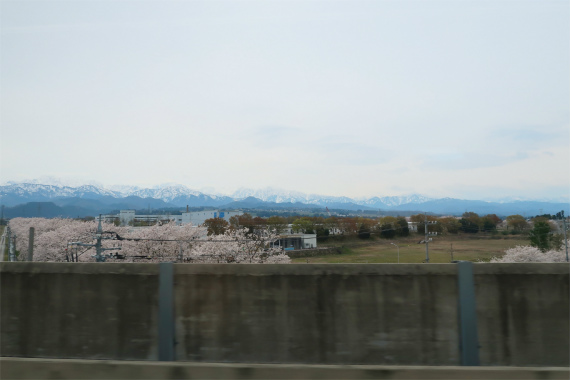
pixel 270 194
pixel 15 193
pixel 166 193
pixel 124 190
pixel 393 201
pixel 57 182
pixel 54 191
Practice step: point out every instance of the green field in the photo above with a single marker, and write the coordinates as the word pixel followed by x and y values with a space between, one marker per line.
pixel 464 247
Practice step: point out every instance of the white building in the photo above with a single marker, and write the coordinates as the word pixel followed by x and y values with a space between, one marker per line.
pixel 128 217
pixel 413 226
pixel 289 240
pixel 199 217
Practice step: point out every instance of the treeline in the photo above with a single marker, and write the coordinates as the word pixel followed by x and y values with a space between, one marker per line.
pixel 386 227
pixel 363 227
pixel 470 222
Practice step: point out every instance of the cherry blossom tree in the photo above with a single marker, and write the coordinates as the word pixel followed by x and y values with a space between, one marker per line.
pixel 240 246
pixel 51 235
pixel 166 242
pixel 56 238
pixel 528 254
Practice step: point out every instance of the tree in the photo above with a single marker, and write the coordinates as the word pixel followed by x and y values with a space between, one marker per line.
pixel 420 219
pixel 234 222
pixel 489 222
pixel 259 223
pixel 322 233
pixel 246 221
pixel 470 222
pixel 52 236
pixel 450 224
pixel 541 237
pixel 239 246
pixel 277 224
pixel 387 220
pixel 517 222
pixel 161 242
pixel 158 243
pixel 402 227
pixel 364 231
pixel 348 226
pixel 304 225
pixel 468 226
pixel 366 222
pixel 332 224
pixel 216 226
pixel 527 254
pixel 387 231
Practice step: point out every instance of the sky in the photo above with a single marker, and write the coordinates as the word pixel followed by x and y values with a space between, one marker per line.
pixel 464 99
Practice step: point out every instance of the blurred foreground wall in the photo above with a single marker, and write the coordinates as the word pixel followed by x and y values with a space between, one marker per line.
pixel 382 314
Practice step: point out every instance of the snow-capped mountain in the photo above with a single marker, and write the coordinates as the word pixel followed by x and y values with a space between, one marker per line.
pixel 166 193
pixel 175 195
pixel 39 192
pixel 170 195
pixel 180 195
pixel 393 201
pixel 270 194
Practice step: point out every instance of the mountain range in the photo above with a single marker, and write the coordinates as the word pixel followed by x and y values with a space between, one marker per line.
pixel 92 199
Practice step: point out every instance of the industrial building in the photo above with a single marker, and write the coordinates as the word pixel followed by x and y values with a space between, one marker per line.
pixel 129 218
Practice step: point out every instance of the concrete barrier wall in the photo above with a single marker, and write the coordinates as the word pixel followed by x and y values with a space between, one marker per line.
pixel 523 314
pixel 66 310
pixel 403 314
pixel 19 368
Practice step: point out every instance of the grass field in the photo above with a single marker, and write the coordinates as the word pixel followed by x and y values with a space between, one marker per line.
pixel 464 247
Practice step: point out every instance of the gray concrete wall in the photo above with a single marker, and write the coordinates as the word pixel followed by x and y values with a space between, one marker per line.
pixel 389 314
pixel 19 368
pixel 67 310
pixel 523 314
pixel 331 314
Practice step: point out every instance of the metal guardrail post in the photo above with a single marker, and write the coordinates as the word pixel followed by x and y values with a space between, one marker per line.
pixel 166 312
pixel 468 336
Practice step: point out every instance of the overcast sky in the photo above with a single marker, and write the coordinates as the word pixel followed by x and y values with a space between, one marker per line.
pixel 357 98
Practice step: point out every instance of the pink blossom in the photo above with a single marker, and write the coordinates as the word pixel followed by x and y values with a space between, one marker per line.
pixel 528 254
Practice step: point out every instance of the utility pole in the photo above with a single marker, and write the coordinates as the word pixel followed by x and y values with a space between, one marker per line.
pixel 566 239
pixel 12 245
pixel 451 252
pixel 427 235
pixel 31 244
pixel 180 256
pixel 99 257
